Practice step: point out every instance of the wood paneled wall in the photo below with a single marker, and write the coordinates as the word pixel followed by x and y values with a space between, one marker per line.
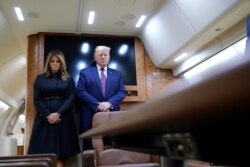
pixel 32 70
pixel 155 79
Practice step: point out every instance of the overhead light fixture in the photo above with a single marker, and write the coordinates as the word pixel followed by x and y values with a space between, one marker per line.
pixel 180 57
pixel 19 14
pixel 192 61
pixel 91 17
pixel 3 106
pixel 228 55
pixel 140 21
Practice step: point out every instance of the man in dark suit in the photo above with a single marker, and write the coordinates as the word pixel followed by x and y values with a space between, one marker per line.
pixel 99 89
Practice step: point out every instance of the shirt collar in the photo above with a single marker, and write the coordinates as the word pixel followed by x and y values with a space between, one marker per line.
pixel 99 68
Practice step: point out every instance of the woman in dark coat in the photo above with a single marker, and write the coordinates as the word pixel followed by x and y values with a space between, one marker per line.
pixel 54 128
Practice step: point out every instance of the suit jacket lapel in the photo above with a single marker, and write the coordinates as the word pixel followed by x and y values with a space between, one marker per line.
pixel 109 80
pixel 97 78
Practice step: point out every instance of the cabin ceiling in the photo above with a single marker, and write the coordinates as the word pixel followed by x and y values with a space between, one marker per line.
pixel 171 27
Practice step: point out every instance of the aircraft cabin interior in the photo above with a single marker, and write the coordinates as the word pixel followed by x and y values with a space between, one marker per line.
pixel 185 65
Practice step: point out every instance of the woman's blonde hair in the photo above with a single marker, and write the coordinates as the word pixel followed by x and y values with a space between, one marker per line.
pixel 63 68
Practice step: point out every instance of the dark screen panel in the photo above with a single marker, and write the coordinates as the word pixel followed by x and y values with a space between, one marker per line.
pixel 79 57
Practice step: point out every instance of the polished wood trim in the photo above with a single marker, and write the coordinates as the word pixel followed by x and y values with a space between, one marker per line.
pixel 32 70
pixel 140 75
pixel 41 52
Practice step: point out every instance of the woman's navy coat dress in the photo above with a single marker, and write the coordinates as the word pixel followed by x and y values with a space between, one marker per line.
pixel 52 94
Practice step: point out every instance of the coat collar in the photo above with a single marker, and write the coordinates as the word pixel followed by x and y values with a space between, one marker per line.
pixel 57 75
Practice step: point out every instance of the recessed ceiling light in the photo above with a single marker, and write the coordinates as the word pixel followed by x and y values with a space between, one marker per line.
pixel 91 17
pixel 140 21
pixel 19 13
